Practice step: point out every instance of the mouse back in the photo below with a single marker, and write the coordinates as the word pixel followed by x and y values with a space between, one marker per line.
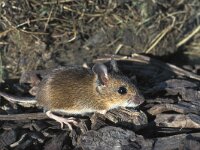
pixel 68 89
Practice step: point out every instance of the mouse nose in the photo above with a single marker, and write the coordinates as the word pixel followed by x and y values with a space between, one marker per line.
pixel 138 99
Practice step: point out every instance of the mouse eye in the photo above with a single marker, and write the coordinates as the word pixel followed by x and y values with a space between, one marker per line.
pixel 122 90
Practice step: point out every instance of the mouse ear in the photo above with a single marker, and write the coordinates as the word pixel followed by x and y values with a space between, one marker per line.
pixel 102 72
pixel 113 64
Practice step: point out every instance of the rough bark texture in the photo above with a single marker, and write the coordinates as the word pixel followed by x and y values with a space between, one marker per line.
pixel 169 118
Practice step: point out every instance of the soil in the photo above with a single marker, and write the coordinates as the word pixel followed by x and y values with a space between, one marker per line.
pixel 35 35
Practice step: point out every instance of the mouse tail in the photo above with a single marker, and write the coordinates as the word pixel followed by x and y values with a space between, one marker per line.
pixel 18 99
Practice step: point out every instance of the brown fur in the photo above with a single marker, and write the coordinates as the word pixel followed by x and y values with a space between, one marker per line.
pixel 79 90
pixel 75 89
pixel 68 89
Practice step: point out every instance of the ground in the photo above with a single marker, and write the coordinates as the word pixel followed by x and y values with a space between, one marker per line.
pixel 44 34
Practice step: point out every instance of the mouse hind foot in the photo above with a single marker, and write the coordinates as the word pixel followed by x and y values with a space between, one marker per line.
pixel 68 121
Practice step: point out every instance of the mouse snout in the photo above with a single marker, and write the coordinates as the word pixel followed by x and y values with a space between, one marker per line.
pixel 137 99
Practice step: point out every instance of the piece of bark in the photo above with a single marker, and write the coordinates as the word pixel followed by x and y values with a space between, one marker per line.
pixel 27 144
pixel 191 141
pixel 98 121
pixel 83 125
pixel 39 125
pixel 184 93
pixel 181 107
pixel 180 83
pixel 180 142
pixel 38 136
pixel 168 143
pixel 51 131
pixel 108 138
pixel 127 118
pixel 178 120
pixel 7 138
pixel 9 125
pixel 166 131
pixel 190 95
pixel 28 116
pixel 161 100
pixel 74 136
pixel 59 142
pixel 172 85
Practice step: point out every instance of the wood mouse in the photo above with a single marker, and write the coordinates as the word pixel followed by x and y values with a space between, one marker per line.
pixel 78 90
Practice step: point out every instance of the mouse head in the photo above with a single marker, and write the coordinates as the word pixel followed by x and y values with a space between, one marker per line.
pixel 115 89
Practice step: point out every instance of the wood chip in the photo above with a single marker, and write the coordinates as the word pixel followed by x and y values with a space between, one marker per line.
pixel 7 138
pixel 182 141
pixel 181 107
pixel 178 120
pixel 112 138
pixel 128 118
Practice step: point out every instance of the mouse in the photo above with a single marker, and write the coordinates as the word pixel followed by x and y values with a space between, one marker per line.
pixel 80 90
